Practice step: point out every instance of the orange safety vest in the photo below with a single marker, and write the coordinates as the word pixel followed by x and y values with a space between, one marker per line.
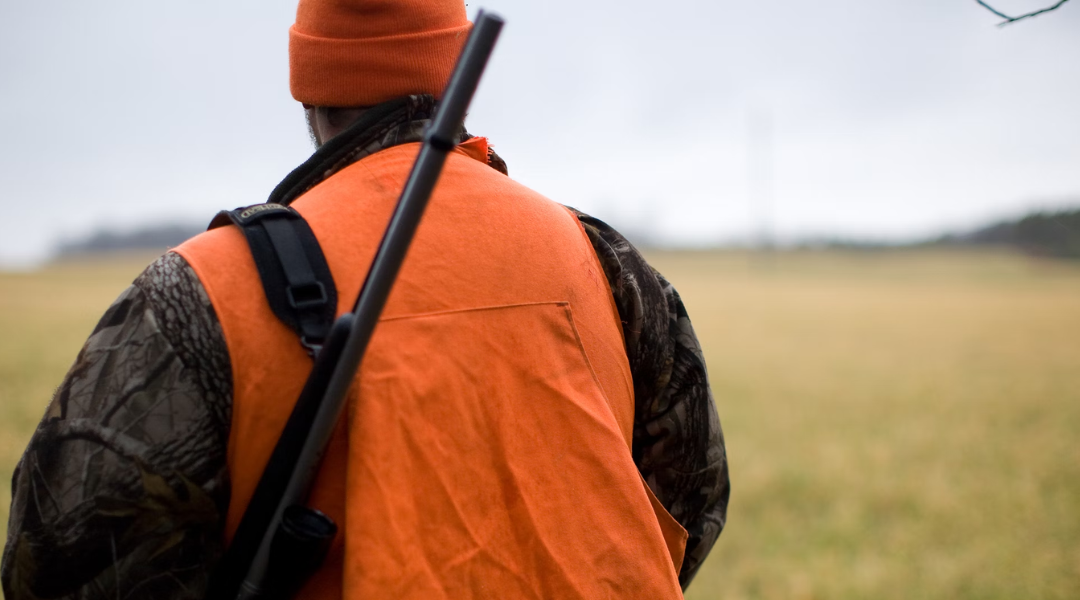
pixel 485 450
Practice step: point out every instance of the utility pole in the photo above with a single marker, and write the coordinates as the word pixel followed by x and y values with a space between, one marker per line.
pixel 759 155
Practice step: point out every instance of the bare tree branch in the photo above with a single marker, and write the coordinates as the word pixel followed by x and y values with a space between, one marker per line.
pixel 1009 19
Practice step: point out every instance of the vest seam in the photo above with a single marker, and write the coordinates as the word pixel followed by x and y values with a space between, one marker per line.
pixel 568 311
pixel 627 373
pixel 451 311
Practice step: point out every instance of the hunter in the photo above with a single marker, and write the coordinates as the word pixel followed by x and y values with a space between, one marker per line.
pixel 532 419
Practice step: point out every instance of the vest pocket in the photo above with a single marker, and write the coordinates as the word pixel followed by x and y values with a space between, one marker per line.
pixel 675 535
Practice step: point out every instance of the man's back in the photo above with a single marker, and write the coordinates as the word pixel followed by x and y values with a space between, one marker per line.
pixel 487 446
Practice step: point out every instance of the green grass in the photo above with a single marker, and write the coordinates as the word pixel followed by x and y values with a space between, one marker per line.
pixel 899 424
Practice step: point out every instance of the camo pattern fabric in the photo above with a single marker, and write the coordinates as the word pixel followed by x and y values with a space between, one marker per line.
pixel 678 445
pixel 121 491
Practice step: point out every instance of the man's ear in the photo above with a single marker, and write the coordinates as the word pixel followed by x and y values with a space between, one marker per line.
pixel 310 116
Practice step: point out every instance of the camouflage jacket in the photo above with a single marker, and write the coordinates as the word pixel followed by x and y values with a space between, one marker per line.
pixel 122 490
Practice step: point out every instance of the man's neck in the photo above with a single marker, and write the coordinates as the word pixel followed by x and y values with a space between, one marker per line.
pixel 325 122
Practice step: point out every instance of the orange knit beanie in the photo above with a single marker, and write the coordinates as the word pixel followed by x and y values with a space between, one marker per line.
pixel 363 52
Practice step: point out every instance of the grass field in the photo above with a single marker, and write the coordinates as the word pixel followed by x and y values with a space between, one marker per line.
pixel 899 425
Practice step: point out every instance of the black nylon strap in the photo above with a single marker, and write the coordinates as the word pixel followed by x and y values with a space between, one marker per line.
pixel 295 277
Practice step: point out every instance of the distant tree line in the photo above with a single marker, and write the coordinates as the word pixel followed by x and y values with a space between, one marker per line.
pixel 150 238
pixel 1040 233
pixel 1053 233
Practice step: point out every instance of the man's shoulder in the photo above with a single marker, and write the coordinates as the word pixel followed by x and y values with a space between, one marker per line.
pixel 170 278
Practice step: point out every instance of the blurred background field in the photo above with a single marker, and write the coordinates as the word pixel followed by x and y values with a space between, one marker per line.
pixel 900 423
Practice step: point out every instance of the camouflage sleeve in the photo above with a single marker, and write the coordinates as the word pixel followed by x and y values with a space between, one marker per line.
pixel 678 445
pixel 121 491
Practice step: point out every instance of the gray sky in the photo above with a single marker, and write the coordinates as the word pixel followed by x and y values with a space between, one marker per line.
pixel 890 118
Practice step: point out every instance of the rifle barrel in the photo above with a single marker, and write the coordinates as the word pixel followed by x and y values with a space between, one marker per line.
pixel 439 140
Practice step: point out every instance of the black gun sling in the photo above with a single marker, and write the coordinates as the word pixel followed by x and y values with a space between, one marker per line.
pixel 295 276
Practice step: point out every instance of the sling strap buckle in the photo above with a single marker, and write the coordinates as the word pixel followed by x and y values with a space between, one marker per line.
pixel 295 276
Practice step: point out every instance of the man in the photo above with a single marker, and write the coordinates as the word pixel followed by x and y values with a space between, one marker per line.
pixel 532 419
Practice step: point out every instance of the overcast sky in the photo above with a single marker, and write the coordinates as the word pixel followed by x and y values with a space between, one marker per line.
pixel 888 119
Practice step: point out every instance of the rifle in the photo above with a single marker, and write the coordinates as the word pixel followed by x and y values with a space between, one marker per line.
pixel 280 541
